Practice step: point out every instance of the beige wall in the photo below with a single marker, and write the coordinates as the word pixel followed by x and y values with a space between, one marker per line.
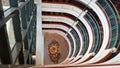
pixel 63 48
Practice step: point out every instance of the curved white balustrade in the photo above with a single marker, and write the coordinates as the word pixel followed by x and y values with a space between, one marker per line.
pixel 90 42
pixel 55 31
pixel 63 28
pixel 58 19
pixel 66 21
pixel 88 1
pixel 115 59
pixel 73 13
pixel 55 26
pixel 106 29
pixel 61 8
pixel 103 55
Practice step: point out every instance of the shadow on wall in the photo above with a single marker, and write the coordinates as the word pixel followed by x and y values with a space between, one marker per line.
pixel 59 48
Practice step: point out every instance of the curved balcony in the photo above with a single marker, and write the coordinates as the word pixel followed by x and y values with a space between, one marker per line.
pixel 95 31
pixel 64 28
pixel 74 33
pixel 108 32
pixel 99 27
pixel 69 22
pixel 104 23
pixel 72 44
pixel 64 8
pixel 85 37
pixel 112 18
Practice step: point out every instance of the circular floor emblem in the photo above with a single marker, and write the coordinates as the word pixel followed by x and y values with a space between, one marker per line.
pixel 54 53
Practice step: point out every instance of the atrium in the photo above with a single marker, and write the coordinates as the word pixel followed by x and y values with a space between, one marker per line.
pixel 59 33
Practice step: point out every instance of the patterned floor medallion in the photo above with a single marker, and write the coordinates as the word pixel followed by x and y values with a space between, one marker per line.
pixel 54 53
